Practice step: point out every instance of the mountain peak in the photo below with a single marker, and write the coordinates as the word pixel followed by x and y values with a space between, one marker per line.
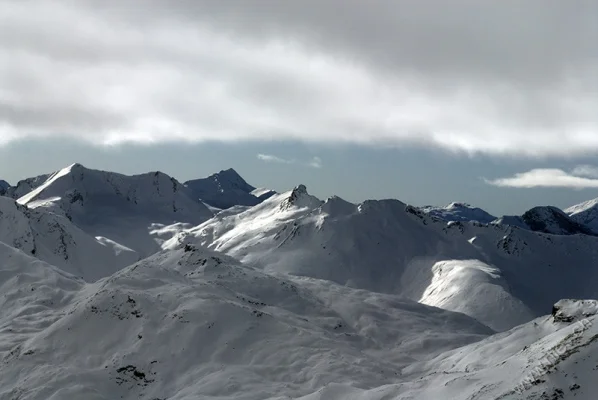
pixel 75 166
pixel 226 189
pixel 553 220
pixel 300 189
pixel 229 171
pixel 459 211
pixel 457 204
pixel 299 197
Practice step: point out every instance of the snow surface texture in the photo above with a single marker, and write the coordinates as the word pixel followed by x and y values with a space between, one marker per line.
pixel 227 189
pixel 128 287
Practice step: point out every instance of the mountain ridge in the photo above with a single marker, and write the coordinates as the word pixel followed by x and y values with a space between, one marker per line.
pixel 293 297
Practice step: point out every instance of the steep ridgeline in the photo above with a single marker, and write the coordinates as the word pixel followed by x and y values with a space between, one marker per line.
pixel 498 274
pixel 459 212
pixel 4 186
pixel 227 189
pixel 136 211
pixel 548 220
pixel 56 240
pixel 26 185
pixel 585 213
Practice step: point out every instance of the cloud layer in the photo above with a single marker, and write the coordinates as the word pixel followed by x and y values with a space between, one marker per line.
pixel 315 162
pixel 581 177
pixel 497 78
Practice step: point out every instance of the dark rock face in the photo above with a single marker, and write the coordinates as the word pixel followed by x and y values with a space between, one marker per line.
pixel 4 186
pixel 226 189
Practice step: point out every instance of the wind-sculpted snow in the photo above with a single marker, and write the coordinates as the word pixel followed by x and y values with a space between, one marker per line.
pixel 495 306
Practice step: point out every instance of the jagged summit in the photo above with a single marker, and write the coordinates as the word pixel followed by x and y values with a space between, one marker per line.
pixel 299 190
pixel 226 189
pixel 299 197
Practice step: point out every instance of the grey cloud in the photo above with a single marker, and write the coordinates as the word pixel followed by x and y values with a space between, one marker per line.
pixel 498 77
pixel 581 177
pixel 315 162
pixel 274 159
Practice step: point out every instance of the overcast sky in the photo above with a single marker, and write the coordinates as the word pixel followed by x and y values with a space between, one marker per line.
pixel 503 81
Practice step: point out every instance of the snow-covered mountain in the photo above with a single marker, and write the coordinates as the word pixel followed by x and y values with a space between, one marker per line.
pixel 227 189
pixel 134 211
pixel 388 247
pixel 459 212
pixel 190 323
pixel 548 220
pixel 585 213
pixel 115 286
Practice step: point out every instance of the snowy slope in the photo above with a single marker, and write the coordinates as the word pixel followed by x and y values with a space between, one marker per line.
pixel 544 359
pixel 459 212
pixel 34 296
pixel 54 239
pixel 585 213
pixel 190 323
pixel 226 189
pixel 386 246
pixel 138 212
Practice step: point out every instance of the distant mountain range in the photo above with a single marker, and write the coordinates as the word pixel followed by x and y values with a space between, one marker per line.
pixel 116 286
